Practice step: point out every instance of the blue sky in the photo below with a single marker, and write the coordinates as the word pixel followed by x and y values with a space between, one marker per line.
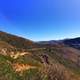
pixel 41 19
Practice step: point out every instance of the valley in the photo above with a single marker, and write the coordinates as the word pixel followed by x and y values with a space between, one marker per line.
pixel 23 59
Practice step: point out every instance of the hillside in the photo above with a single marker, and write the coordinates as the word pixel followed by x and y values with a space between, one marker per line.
pixel 17 42
pixel 75 43
pixel 23 59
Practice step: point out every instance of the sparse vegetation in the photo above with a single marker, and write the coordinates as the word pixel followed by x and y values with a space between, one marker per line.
pixel 45 62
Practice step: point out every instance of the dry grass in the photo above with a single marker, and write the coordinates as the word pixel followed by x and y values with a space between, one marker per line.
pixel 58 72
pixel 22 67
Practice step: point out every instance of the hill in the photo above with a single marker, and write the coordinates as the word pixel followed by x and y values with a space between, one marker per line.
pixel 75 42
pixel 17 42
pixel 23 59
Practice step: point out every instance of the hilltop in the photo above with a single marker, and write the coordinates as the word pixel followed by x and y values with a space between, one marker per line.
pixel 17 42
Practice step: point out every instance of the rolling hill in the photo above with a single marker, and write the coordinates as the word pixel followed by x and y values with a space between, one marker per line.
pixel 23 59
pixel 17 42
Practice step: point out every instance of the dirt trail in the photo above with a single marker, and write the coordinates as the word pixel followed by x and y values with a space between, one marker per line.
pixel 22 67
pixel 18 54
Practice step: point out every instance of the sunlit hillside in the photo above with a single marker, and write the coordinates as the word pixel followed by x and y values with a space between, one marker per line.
pixel 23 59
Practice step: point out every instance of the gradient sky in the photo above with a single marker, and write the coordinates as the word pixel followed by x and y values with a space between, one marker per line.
pixel 41 19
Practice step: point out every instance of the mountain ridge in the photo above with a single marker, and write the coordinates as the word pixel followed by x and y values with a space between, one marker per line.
pixel 15 41
pixel 71 42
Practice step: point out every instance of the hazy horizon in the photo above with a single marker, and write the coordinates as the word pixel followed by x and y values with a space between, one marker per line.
pixel 41 20
pixel 39 40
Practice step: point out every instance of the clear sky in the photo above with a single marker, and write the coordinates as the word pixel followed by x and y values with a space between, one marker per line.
pixel 41 19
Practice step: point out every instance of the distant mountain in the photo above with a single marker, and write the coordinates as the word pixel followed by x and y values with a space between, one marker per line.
pixel 75 42
pixel 48 42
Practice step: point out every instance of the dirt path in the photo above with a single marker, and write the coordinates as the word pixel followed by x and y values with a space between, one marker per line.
pixel 22 67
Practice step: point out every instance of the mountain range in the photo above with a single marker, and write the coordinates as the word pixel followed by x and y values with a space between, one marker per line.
pixel 75 42
pixel 24 59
